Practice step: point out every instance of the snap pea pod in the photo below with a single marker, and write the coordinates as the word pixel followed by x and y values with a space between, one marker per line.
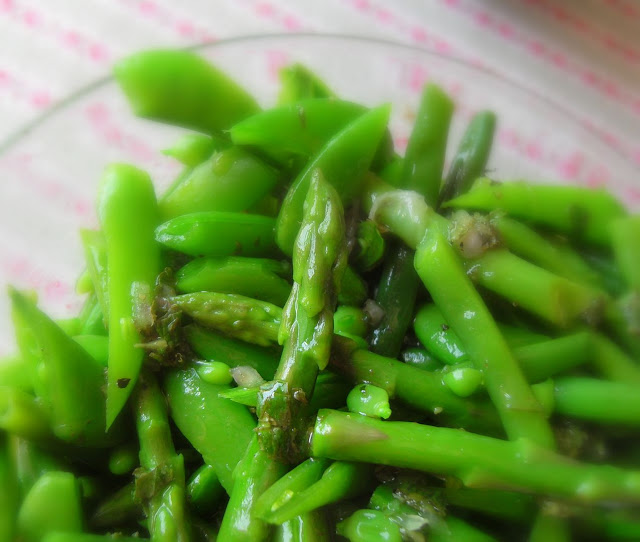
pixel 251 277
pixel 343 161
pixel 471 157
pixel 160 483
pixel 424 158
pixel 29 462
pixel 478 461
pixel 229 180
pixel 9 493
pixel 52 504
pixel 299 83
pixel 576 211
pixel 95 255
pixel 97 346
pixel 204 490
pixel 92 320
pixel 219 234
pixel 72 380
pixel 129 214
pixel 178 87
pixel 204 418
pixel 311 527
pixel 561 260
pixel 192 149
pixel 214 347
pixel 14 373
pixel 233 315
pixel 299 128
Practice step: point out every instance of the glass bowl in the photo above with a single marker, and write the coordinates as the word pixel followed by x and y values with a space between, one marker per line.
pixel 50 168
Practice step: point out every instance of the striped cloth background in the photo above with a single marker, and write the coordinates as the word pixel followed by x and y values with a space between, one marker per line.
pixel 582 54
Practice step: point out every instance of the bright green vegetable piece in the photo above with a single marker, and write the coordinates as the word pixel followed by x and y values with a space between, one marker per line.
pixel 230 180
pixel 457 529
pixel 420 358
pixel 370 401
pixel 52 504
pixel 471 157
pixel 625 237
pixel 311 527
pixel 202 417
pixel 72 380
pixel 192 149
pixel 123 459
pixel 219 234
pixel 350 321
pixel 95 254
pixel 214 347
pixel 160 482
pixel 579 212
pixel 353 288
pixel 234 315
pixel 444 276
pixel 463 381
pixel 343 161
pixel 14 373
pixel 129 215
pixel 437 336
pixel 300 128
pixel 215 372
pixel 204 490
pixel 179 87
pixel 369 526
pixel 300 83
pixel 97 346
pixel 424 157
pixel 478 461
pixel 251 277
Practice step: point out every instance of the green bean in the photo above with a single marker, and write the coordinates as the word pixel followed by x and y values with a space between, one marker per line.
pixel 202 416
pixel 561 260
pixel 52 504
pixel 160 483
pixel 234 315
pixel 471 157
pixel 117 509
pixel 396 296
pixel 576 211
pixel 435 334
pixel 452 291
pixel 478 461
pixel 128 213
pixel 178 87
pixel 425 153
pixel 311 527
pixel 343 161
pixel 612 362
pixel 219 234
pixel 251 277
pixel 230 180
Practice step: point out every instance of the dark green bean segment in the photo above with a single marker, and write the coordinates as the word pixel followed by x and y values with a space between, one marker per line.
pixel 251 277
pixel 230 180
pixel 219 234
pixel 9 493
pixel 204 489
pixel 471 157
pixel 118 509
pixel 179 87
pixel 579 212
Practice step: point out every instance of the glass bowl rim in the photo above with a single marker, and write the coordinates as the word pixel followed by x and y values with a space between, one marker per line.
pixel 16 136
